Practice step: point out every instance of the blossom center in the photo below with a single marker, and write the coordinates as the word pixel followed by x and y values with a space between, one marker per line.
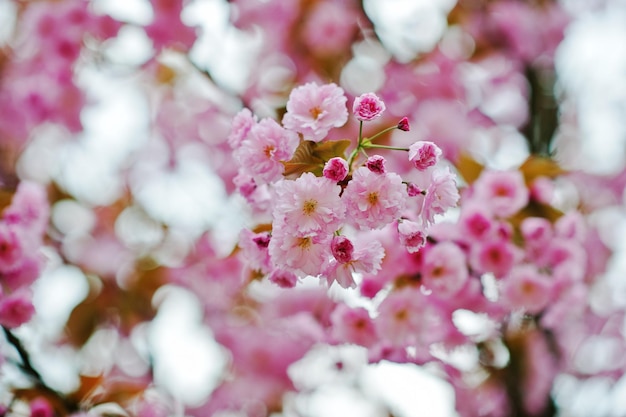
pixel 315 112
pixel 372 198
pixel 309 207
pixel 304 242
pixel 269 150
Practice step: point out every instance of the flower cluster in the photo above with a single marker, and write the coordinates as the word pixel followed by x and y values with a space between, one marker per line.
pixel 319 223
pixel 22 227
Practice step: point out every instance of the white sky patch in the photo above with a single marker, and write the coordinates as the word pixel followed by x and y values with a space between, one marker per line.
pixel 408 27
pixel 188 361
pixel 592 66
pixel 409 390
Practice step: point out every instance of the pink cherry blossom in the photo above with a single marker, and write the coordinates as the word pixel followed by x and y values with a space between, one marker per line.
pixel 441 195
pixel 39 407
pixel 495 256
pixel 413 190
pixel 16 309
pixel 299 253
pixel 412 235
pixel 424 154
pixel 476 221
pixel 353 325
pixel 267 145
pixel 309 204
pixel 368 107
pixel 254 249
pixel 11 248
pixel 366 258
pixel 444 269
pixel 241 125
pixel 504 191
pixel 282 278
pixel 374 200
pixel 330 27
pixel 376 164
pixel 342 249
pixel 406 318
pixel 336 169
pixel 313 110
pixel 525 288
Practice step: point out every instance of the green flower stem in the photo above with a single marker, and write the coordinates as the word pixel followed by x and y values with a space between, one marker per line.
pixel 368 145
pixel 382 132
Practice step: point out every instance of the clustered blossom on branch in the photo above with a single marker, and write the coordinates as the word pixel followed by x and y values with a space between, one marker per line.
pixel 309 213
pixel 389 198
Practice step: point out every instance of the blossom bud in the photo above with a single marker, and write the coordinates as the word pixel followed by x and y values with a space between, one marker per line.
pixel 403 124
pixel 413 190
pixel 376 164
pixel 412 235
pixel 368 107
pixel 336 169
pixel 342 249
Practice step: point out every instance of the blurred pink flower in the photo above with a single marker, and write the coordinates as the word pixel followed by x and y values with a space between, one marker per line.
pixel 444 269
pixel 503 191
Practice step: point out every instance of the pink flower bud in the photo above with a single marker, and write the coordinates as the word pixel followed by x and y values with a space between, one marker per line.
pixel 368 107
pixel 336 169
pixel 376 164
pixel 424 154
pixel 403 124
pixel 412 235
pixel 413 190
pixel 342 249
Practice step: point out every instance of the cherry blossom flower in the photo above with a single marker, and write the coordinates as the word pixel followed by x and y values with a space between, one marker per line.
pixel 267 144
pixel 313 110
pixel 11 248
pixel 376 164
pixel 525 288
pixel 368 107
pixel 254 250
pixel 241 125
pixel 309 204
pixel 342 249
pixel 412 235
pixel 299 253
pixel 365 258
pixel 282 278
pixel 496 256
pixel 424 154
pixel 444 269
pixel 336 169
pixel 504 191
pixel 16 309
pixel 353 325
pixel 374 200
pixel 441 195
